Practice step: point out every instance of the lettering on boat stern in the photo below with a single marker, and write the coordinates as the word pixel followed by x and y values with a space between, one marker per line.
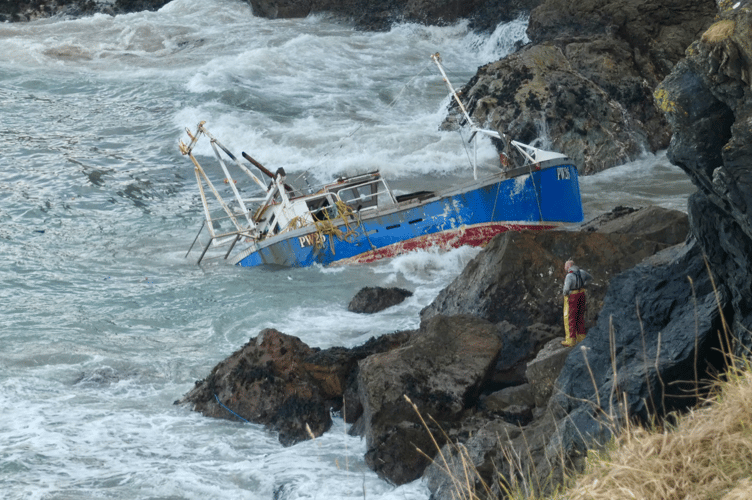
pixel 312 239
pixel 562 174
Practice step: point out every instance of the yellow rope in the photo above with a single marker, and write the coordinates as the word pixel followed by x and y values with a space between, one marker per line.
pixel 327 227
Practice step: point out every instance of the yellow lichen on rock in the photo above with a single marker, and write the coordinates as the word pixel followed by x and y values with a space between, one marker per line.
pixel 719 31
pixel 664 101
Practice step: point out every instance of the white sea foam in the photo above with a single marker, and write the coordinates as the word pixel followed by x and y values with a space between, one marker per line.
pixel 650 180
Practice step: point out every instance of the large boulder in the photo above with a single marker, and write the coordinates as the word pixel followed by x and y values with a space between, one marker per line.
pixel 651 222
pixel 372 299
pixel 542 372
pixel 519 275
pixel 586 81
pixel 279 381
pixel 441 370
pixel 708 101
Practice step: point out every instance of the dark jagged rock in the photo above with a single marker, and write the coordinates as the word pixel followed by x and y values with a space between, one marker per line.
pixel 708 101
pixel 664 339
pixel 653 223
pixel 280 382
pixel 511 396
pixel 375 299
pixel 662 314
pixel 484 15
pixel 441 369
pixel 264 383
pixel 542 372
pixel 520 346
pixel 656 337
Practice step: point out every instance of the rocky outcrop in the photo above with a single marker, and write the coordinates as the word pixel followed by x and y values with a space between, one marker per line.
pixel 520 275
pixel 708 101
pixel 372 299
pixel 459 370
pixel 654 342
pixel 441 370
pixel 668 321
pixel 586 81
pixel 278 381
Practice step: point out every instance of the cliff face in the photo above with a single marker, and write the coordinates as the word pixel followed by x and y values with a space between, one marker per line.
pixel 708 101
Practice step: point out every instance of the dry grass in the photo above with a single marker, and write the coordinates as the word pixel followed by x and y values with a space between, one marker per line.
pixel 707 454
pixel 719 31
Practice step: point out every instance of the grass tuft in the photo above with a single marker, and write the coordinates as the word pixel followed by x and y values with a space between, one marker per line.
pixel 706 453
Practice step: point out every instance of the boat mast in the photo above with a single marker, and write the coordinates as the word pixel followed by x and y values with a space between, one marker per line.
pixel 474 129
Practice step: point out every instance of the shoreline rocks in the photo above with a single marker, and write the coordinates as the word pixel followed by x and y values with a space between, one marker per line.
pixel 482 364
pixel 280 382
pixel 519 276
pixel 374 299
pixel 585 81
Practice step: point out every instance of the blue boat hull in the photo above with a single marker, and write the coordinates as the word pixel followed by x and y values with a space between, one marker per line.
pixel 468 215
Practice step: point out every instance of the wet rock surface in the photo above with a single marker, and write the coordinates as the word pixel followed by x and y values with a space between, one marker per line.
pixel 441 370
pixel 381 14
pixel 486 359
pixel 370 15
pixel 586 80
pixel 520 275
pixel 708 101
pixel 279 381
pixel 374 299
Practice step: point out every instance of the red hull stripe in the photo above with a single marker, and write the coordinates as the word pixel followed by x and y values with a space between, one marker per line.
pixel 475 235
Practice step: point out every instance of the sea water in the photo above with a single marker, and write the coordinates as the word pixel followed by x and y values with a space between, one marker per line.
pixel 104 322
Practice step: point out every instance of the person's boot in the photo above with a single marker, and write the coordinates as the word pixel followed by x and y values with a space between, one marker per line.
pixel 569 342
pixel 580 338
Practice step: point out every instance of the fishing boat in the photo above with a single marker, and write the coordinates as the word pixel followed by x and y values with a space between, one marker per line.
pixel 360 219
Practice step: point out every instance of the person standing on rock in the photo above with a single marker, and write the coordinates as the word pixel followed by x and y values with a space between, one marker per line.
pixel 574 303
